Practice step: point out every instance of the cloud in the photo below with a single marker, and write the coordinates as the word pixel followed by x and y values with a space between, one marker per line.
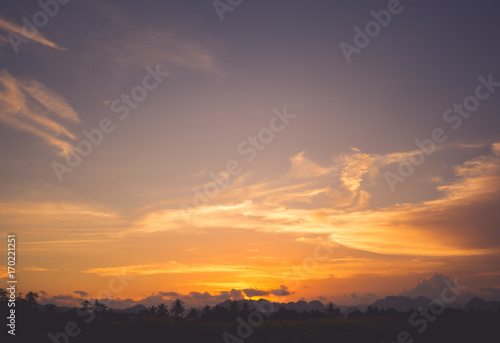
pixel 433 287
pixel 490 293
pixel 12 28
pixel 417 235
pixel 60 299
pixel 356 166
pixel 490 290
pixel 50 100
pixel 129 43
pixel 148 46
pixel 281 292
pixel 331 200
pixel 195 299
pixel 473 146
pixel 192 298
pixel 301 167
pixel 355 298
pixel 255 292
pixel 59 226
pixel 438 227
pixel 35 269
pixel 81 293
pixel 201 296
pixel 169 294
pixel 27 105
pixel 121 303
pixel 64 297
pixel 171 267
pixel 233 294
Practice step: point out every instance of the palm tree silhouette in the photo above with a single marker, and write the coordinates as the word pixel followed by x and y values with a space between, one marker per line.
pixel 162 310
pixel 99 306
pixel 31 297
pixel 178 308
pixel 151 310
pixel 332 310
pixel 31 300
pixel 86 304
pixel 3 295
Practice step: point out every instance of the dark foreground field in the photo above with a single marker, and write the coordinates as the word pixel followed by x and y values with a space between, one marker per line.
pixel 451 326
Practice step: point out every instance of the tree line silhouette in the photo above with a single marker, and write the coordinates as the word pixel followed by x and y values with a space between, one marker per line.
pixel 235 310
pixel 28 301
pixel 175 323
pixel 177 310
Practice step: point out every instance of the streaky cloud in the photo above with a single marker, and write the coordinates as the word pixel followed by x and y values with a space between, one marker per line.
pixel 27 104
pixel 38 37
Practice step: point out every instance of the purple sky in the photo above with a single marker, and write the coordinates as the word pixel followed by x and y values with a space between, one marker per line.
pixel 264 136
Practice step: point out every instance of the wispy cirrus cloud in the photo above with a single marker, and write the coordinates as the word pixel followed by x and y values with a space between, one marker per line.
pixel 59 226
pixel 9 27
pixel 326 202
pixel 147 46
pixel 36 269
pixel 171 267
pixel 28 105
pixel 303 204
pixel 131 44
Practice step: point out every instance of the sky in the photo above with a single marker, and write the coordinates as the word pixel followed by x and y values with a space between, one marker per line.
pixel 334 150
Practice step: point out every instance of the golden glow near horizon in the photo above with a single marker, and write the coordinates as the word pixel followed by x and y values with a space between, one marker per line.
pixel 263 241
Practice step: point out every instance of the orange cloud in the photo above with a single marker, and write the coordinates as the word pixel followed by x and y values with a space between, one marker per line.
pixel 405 229
pixel 35 269
pixel 27 104
pixel 38 37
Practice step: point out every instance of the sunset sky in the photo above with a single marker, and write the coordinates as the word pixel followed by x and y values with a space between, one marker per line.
pixel 249 156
